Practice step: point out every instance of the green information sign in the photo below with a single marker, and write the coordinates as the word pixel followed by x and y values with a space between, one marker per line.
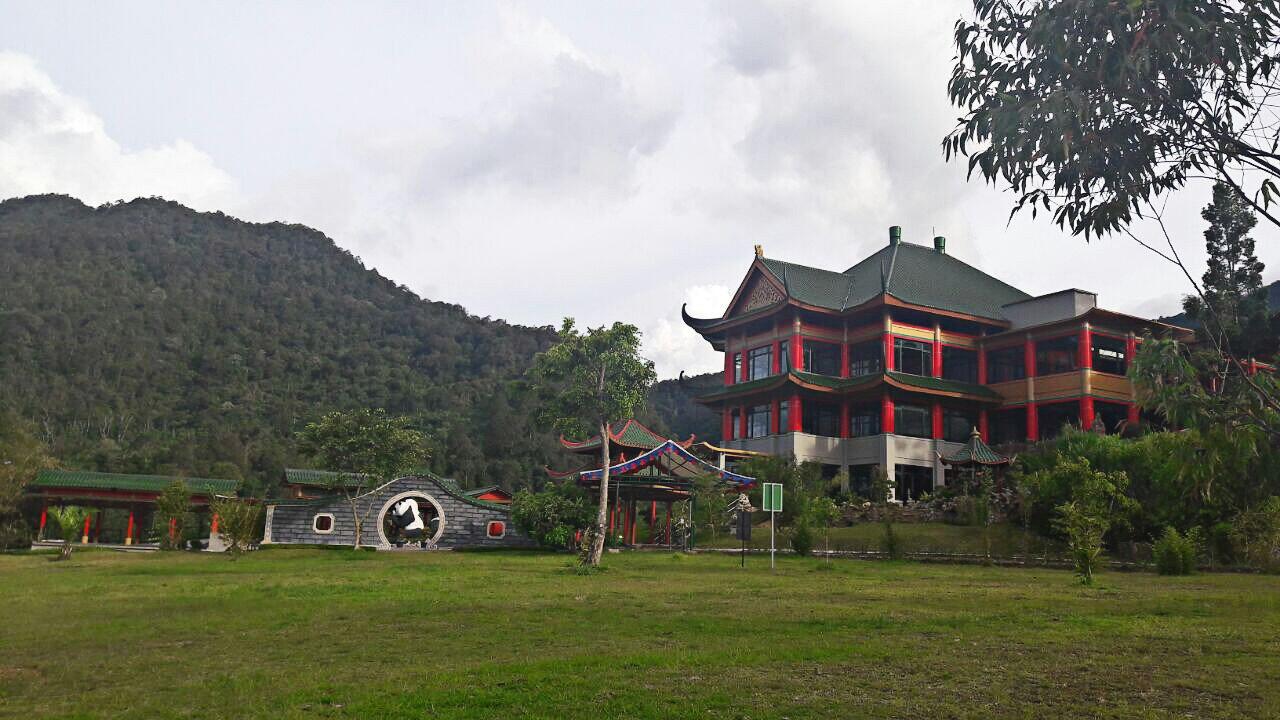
pixel 772 497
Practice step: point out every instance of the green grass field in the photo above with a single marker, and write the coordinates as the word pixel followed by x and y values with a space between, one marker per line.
pixel 1006 540
pixel 310 633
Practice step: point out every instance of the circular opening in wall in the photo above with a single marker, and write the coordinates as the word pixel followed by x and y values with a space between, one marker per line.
pixel 411 519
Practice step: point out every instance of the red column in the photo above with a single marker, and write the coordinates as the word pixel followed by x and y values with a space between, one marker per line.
pixel 1252 368
pixel 937 351
pixel 888 351
pixel 613 518
pixel 1029 357
pixel 744 373
pixel 797 351
pixel 1033 422
pixel 935 414
pixel 84 537
pixel 794 418
pixel 844 419
pixel 1130 349
pixel 128 531
pixel 635 518
pixel 775 411
pixel 653 521
pixel 844 360
pixel 1084 347
pixel 173 529
pixel 982 366
pixel 1133 414
pixel 44 519
pixel 213 524
pixel 742 421
pixel 1086 412
pixel 886 413
pixel 726 424
pixel 983 426
pixel 728 365
pixel 776 358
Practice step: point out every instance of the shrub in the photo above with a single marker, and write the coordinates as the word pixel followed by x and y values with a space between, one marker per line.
pixel 802 539
pixel 1256 534
pixel 1175 553
pixel 1084 529
pixel 172 510
pixel 70 520
pixel 237 522
pixel 551 517
pixel 891 545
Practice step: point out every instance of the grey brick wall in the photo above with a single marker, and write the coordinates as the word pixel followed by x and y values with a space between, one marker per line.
pixel 465 520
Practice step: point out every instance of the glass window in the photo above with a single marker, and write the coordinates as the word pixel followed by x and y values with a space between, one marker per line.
pixel 758 421
pixel 737 367
pixel 865 358
pixel 959 364
pixel 784 357
pixel 1056 416
pixel 860 480
pixel 820 419
pixel 760 362
pixel 1008 426
pixel 1109 355
pixel 1057 355
pixel 912 420
pixel 784 415
pixel 912 481
pixel 734 419
pixel 864 421
pixel 913 357
pixel 1005 364
pixel 822 358
pixel 1113 415
pixel 958 425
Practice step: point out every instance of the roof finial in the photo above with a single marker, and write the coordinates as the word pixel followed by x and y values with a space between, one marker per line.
pixel 759 251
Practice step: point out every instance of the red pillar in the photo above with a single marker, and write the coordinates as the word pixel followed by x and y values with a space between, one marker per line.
pixel 776 358
pixel 983 426
pixel 844 419
pixel 937 351
pixel 128 530
pixel 744 372
pixel 1033 422
pixel 213 524
pixel 44 519
pixel 1029 357
pixel 653 521
pixel 775 411
pixel 1133 414
pixel 1084 347
pixel 173 529
pixel 935 414
pixel 742 421
pixel 794 415
pixel 1086 412
pixel 728 365
pixel 982 366
pixel 797 351
pixel 635 520
pixel 84 536
pixel 613 518
pixel 886 413
pixel 726 424
pixel 888 350
pixel 1130 349
pixel 844 360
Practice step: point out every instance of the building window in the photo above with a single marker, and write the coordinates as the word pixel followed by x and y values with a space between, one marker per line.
pixel 1008 426
pixel 912 481
pixel 1006 364
pixel 1053 418
pixel 822 358
pixel 860 480
pixel 913 357
pixel 496 529
pixel 1113 415
pixel 784 357
pixel 958 425
pixel 737 367
pixel 959 364
pixel 1109 355
pixel 1058 355
pixel 864 421
pixel 760 362
pixel 734 427
pixel 757 421
pixel 912 420
pixel 820 419
pixel 865 358
pixel 322 523
pixel 784 416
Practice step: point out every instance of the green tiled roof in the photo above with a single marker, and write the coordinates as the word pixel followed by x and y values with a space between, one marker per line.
pixel 975 452
pixel 912 273
pixel 943 385
pixel 630 433
pixel 137 483
pixel 836 383
pixel 318 478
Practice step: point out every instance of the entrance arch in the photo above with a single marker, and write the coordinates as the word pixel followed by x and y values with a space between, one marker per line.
pixel 416 495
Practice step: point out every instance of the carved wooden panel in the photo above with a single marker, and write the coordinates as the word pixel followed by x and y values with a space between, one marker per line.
pixel 762 294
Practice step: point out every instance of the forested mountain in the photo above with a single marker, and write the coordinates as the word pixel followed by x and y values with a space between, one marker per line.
pixel 1273 302
pixel 147 337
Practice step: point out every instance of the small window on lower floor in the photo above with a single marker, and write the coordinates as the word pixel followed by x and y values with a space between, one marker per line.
pixel 322 523
pixel 497 529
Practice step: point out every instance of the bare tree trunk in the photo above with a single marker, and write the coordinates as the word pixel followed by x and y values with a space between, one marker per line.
pixel 355 519
pixel 602 514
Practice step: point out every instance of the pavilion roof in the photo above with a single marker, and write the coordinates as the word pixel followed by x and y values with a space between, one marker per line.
pixel 975 452
pixel 678 460
pixel 828 383
pixel 83 479
pixel 630 433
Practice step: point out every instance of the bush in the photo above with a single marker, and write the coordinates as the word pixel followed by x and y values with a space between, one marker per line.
pixel 237 522
pixel 1175 553
pixel 1256 534
pixel 891 545
pixel 802 539
pixel 551 517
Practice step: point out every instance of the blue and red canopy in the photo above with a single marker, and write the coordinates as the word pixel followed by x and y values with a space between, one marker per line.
pixel 671 452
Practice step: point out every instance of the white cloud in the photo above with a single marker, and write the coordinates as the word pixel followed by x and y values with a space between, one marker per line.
pixel 53 143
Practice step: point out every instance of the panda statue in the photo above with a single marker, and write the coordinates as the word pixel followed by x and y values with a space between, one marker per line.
pixel 406 520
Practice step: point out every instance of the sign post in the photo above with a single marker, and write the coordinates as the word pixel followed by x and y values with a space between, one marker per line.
pixel 771 500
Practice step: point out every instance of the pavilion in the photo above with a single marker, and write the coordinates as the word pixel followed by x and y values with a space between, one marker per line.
pixel 120 505
pixel 975 456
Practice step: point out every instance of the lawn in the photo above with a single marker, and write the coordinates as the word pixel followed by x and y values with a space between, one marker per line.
pixel 1007 540
pixel 311 633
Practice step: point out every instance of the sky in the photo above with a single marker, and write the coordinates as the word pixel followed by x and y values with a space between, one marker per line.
pixel 531 161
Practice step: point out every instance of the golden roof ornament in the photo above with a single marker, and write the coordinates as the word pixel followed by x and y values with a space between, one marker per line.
pixel 759 251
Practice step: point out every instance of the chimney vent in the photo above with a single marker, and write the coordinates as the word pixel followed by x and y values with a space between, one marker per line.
pixel 940 244
pixel 895 234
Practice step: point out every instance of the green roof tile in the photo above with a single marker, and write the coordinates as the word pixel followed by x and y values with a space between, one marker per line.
pixel 318 478
pixel 136 483
pixel 836 383
pixel 975 451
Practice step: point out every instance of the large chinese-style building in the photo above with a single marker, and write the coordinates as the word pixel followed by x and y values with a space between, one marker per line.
pixel 894 361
